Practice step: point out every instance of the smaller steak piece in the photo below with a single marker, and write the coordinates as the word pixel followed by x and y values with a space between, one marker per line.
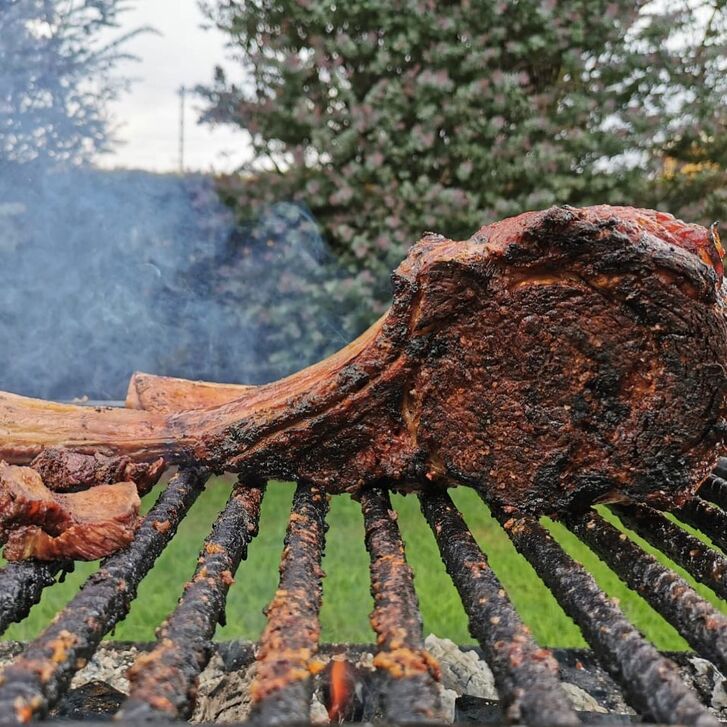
pixel 63 470
pixel 38 523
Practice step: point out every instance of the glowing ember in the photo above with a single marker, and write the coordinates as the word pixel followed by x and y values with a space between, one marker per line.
pixel 342 689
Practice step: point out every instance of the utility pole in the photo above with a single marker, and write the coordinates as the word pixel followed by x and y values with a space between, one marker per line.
pixel 182 94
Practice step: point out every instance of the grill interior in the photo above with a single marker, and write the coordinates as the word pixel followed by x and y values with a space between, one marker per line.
pixel 527 676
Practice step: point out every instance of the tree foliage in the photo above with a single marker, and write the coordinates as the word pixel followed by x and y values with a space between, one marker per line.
pixel 693 182
pixel 56 62
pixel 386 119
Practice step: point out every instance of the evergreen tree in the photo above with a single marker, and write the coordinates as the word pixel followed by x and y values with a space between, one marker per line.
pixel 56 63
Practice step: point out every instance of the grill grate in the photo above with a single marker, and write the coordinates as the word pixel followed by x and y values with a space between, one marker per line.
pixel 651 683
pixel 163 681
pixel 282 689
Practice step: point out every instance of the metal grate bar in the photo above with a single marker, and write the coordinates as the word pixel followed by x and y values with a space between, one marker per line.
pixel 283 687
pixel 409 675
pixel 526 674
pixel 714 489
pixel 37 678
pixel 705 517
pixel 699 560
pixel 164 680
pixel 650 681
pixel 21 586
pixel 695 619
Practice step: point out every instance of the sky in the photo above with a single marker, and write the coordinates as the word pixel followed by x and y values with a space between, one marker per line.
pixel 147 117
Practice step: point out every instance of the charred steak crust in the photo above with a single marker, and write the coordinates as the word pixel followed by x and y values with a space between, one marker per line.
pixel 552 360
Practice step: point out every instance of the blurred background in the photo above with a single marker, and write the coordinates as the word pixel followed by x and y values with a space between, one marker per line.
pixel 221 190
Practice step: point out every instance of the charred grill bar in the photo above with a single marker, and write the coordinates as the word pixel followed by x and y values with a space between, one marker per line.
pixel 21 586
pixel 283 686
pixel 714 489
pixel 163 681
pixel 526 674
pixel 408 691
pixel 705 517
pixel 405 688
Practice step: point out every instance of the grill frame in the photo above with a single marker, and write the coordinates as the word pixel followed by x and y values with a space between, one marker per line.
pixel 526 674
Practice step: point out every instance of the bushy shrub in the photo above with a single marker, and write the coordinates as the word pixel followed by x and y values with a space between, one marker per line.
pixel 386 119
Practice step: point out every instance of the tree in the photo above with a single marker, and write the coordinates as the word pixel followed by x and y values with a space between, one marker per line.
pixel 694 178
pixel 56 78
pixel 387 119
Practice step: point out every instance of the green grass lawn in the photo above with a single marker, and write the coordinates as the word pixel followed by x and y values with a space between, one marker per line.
pixel 347 601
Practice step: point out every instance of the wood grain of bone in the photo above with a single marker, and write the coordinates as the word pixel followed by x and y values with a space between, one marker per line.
pixel 552 360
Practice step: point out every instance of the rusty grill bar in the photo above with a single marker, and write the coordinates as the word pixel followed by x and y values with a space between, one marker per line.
pixel 282 689
pixel 526 674
pixel 408 691
pixel 164 679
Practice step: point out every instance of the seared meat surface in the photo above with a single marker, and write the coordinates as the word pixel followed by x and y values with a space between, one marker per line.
pixel 552 360
pixel 38 523
pixel 63 470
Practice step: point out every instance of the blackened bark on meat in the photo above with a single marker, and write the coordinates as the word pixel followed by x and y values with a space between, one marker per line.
pixel 552 360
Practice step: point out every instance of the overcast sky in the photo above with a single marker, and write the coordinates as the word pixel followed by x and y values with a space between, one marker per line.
pixel 183 53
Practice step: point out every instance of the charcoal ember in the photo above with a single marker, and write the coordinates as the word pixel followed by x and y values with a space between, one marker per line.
pixel 36 522
pixel 94 700
pixel 346 689
pixel 62 470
